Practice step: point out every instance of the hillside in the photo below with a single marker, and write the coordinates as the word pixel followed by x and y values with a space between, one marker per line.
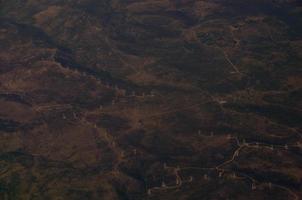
pixel 150 99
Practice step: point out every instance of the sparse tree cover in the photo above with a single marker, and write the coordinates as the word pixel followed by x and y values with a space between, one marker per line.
pixel 150 99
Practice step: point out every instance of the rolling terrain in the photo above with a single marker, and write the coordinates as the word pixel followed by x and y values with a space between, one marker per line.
pixel 150 99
